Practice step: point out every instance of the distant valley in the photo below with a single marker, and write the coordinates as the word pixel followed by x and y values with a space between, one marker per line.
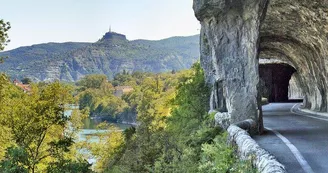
pixel 110 55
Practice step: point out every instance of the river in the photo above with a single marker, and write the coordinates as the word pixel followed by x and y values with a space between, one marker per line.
pixel 89 131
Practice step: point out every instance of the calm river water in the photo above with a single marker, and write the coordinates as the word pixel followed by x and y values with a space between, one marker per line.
pixel 89 129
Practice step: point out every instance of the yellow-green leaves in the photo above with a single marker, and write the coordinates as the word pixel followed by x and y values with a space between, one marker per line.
pixel 34 121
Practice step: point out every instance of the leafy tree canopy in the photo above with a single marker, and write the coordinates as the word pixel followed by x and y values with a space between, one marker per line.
pixel 4 28
pixel 4 39
pixel 26 80
pixel 36 126
pixel 94 81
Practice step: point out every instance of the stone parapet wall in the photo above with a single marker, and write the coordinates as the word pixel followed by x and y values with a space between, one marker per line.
pixel 247 148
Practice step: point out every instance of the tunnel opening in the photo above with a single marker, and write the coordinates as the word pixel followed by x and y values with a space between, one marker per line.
pixel 275 81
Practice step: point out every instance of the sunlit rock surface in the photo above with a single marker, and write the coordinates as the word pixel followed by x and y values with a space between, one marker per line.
pixel 294 88
pixel 291 32
pixel 229 54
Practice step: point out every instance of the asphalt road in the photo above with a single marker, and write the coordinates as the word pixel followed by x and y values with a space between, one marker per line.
pixel 298 140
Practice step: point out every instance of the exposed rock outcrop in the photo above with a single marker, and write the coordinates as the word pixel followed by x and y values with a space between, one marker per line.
pixel 110 55
pixel 293 33
pixel 294 88
pixel 296 32
pixel 229 54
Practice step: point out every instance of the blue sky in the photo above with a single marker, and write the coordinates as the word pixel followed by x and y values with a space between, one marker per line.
pixel 42 21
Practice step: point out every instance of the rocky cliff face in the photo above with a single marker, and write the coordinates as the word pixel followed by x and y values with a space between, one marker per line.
pixel 292 32
pixel 112 54
pixel 294 89
pixel 229 56
pixel 296 32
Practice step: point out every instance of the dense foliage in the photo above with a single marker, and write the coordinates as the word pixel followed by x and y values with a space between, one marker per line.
pixel 34 129
pixel 4 28
pixel 174 132
pixel 96 94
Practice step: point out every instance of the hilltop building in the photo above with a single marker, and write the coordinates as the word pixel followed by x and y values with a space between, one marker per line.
pixel 113 35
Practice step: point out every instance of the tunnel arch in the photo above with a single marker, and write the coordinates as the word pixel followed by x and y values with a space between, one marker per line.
pixel 296 32
pixel 235 35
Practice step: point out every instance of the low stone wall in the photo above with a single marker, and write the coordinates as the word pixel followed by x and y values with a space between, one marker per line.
pixel 249 149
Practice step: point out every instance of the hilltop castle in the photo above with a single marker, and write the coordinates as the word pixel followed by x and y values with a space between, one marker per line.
pixel 113 35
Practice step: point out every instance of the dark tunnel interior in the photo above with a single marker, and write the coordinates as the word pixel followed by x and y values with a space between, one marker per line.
pixel 275 81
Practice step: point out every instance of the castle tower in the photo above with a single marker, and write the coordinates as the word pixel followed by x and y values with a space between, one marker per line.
pixel 110 28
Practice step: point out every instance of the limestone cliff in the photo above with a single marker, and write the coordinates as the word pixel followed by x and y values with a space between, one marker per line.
pixel 110 55
pixel 290 34
pixel 296 32
pixel 294 89
pixel 229 56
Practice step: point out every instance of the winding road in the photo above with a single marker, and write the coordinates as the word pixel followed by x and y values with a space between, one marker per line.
pixel 298 140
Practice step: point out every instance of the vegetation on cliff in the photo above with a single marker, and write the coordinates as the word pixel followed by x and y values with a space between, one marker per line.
pixel 174 132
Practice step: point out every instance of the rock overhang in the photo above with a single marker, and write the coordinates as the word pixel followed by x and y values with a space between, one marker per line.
pixel 296 32
pixel 292 32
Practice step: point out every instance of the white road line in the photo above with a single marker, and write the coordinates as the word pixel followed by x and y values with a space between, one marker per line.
pixel 310 116
pixel 304 164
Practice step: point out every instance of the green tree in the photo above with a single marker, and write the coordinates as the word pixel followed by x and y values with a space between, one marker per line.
pixel 190 104
pixel 123 79
pixel 16 158
pixel 61 163
pixel 36 121
pixel 26 80
pixel 186 128
pixel 174 133
pixel 4 39
pixel 144 147
pixel 97 95
pixel 94 81
pixel 108 148
pixel 88 99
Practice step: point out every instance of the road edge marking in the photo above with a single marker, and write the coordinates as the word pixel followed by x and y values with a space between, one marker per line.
pixel 304 164
pixel 309 116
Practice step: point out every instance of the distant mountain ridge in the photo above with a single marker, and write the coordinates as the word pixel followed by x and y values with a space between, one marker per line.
pixel 112 54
